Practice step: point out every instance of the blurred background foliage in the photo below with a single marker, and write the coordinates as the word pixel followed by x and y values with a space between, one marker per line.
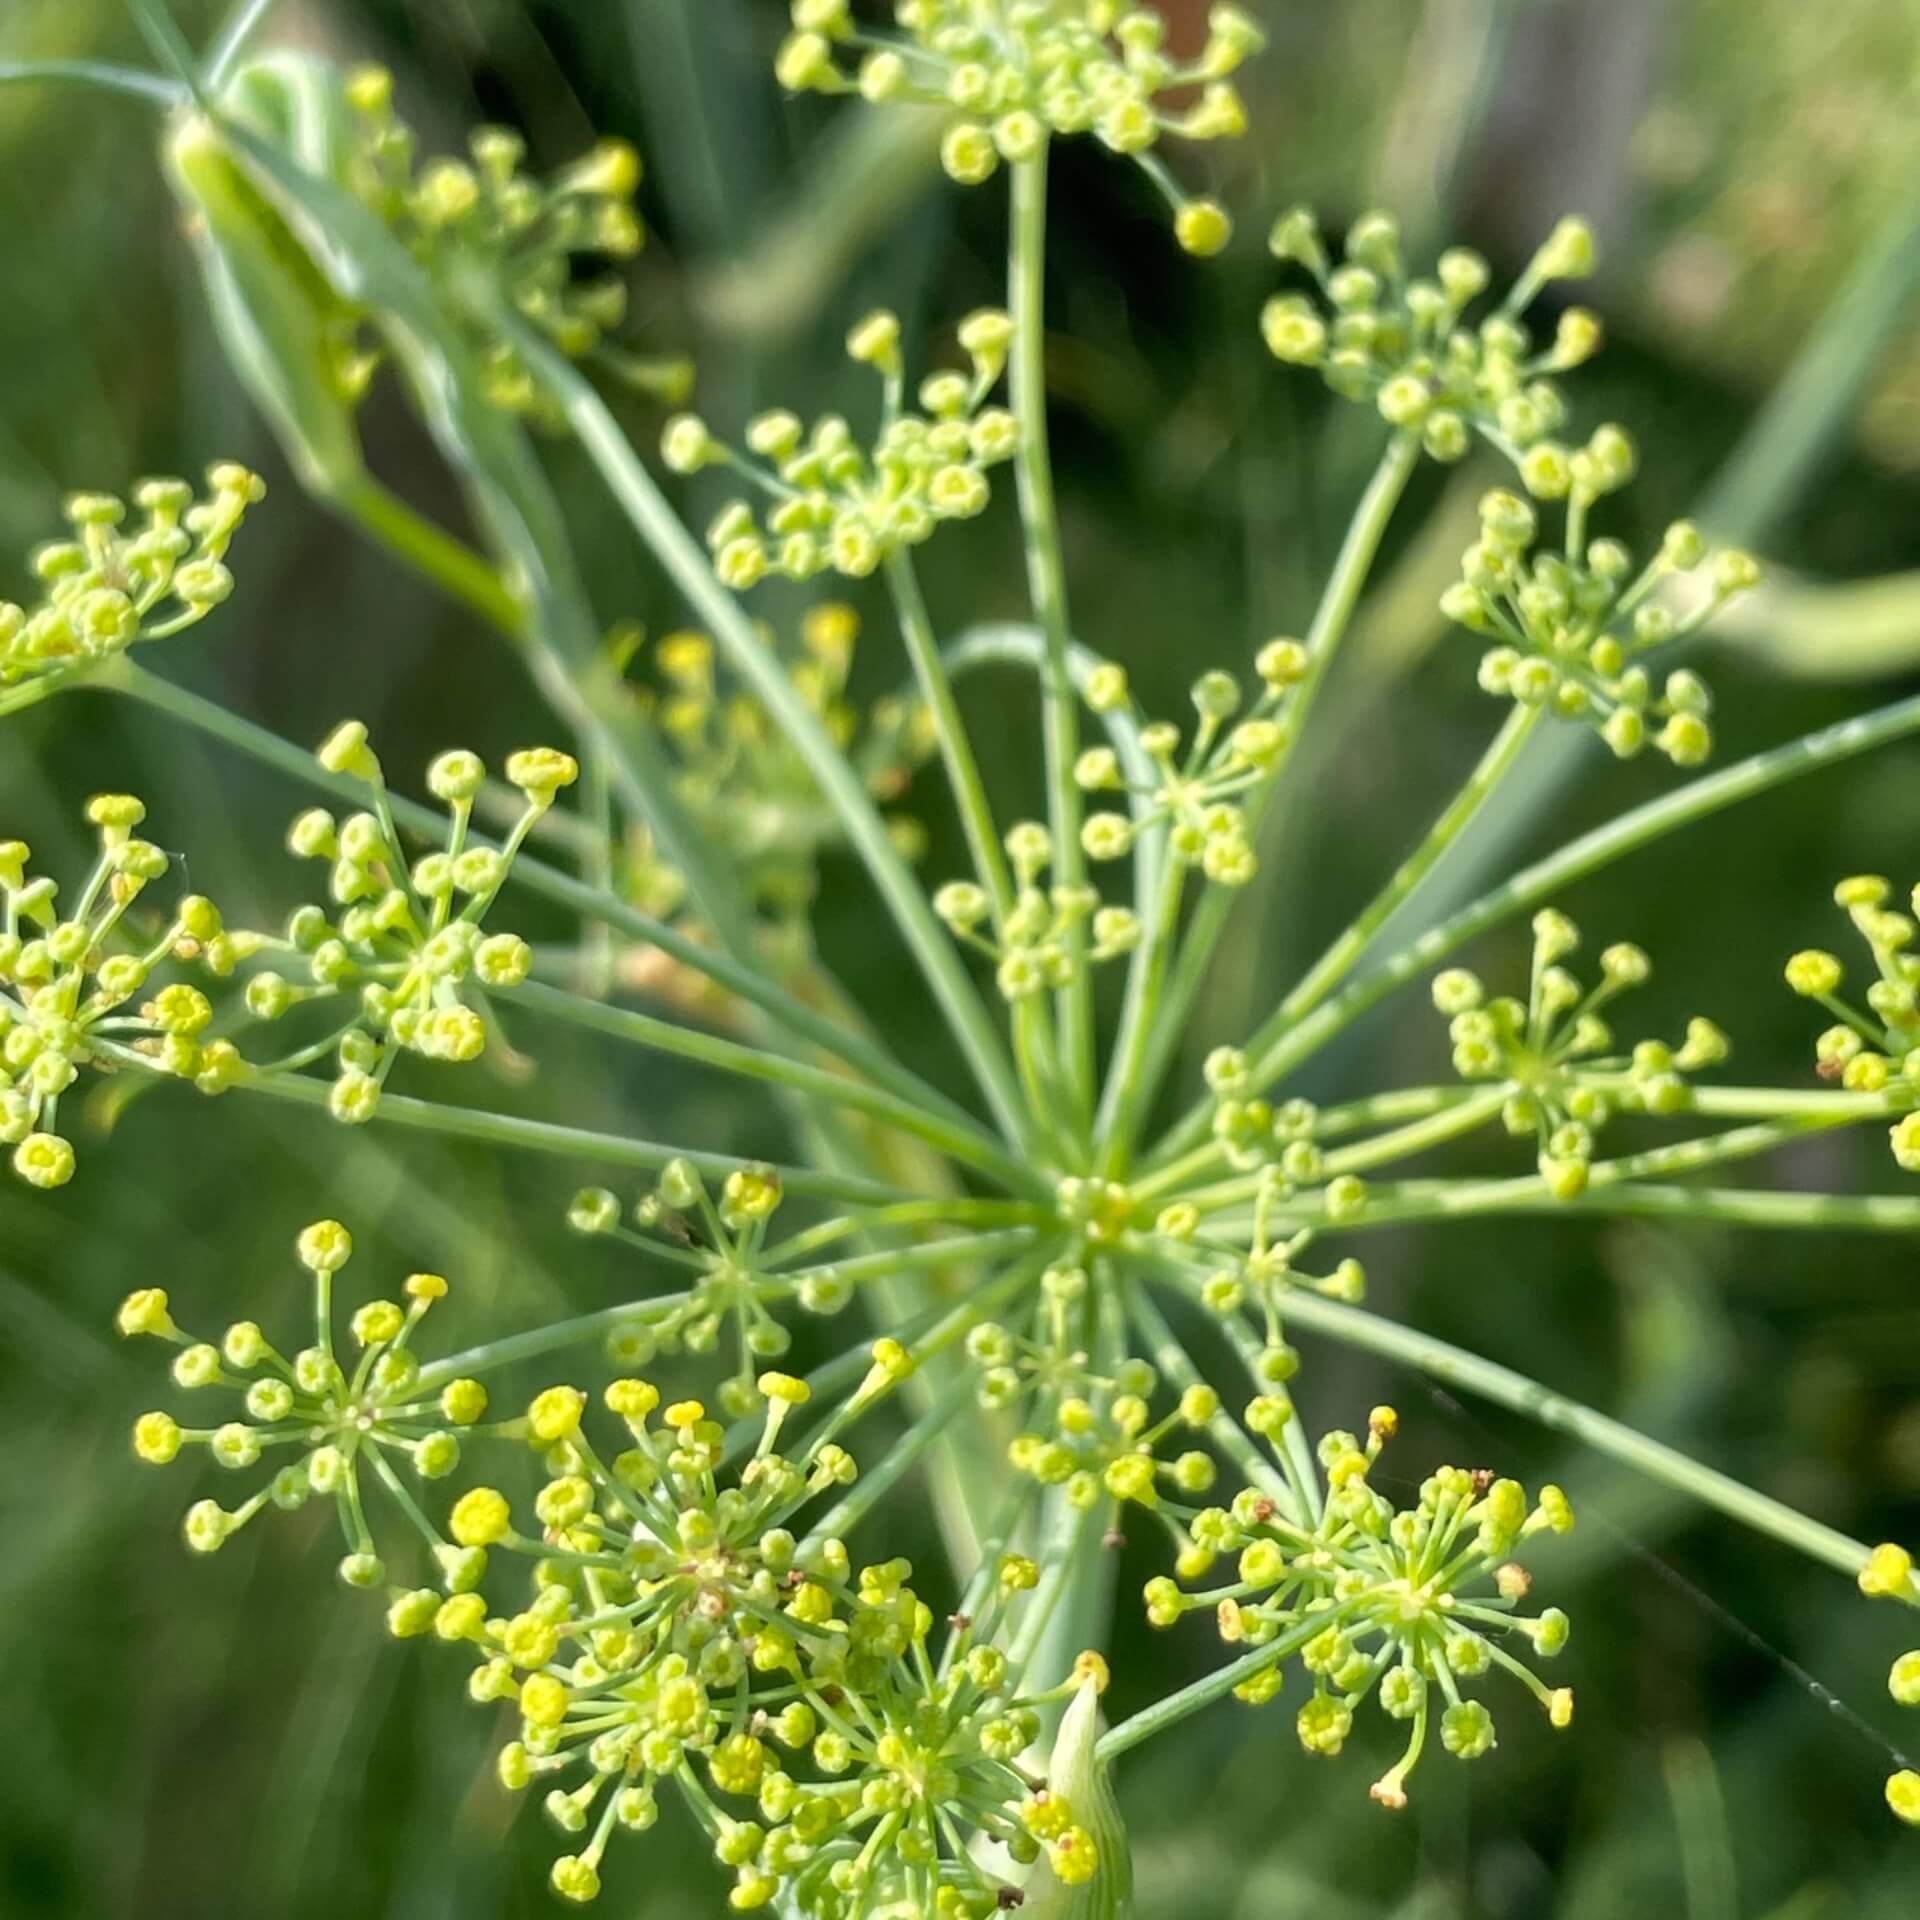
pixel 215 1740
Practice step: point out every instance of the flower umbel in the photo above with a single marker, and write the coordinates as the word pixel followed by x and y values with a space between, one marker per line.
pixel 1571 629
pixel 112 583
pixel 1553 1054
pixel 1398 1605
pixel 1875 1049
pixel 406 958
pixel 345 1429
pixel 71 977
pixel 1405 345
pixel 837 506
pixel 485 221
pixel 682 1636
pixel 1017 75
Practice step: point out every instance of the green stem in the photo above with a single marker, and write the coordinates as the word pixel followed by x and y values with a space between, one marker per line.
pixel 1126 1088
pixel 1297 1459
pixel 842 1372
pixel 788 1014
pixel 1739 1207
pixel 1327 972
pixel 956 750
pixel 1046 584
pixel 1330 622
pixel 1388 1109
pixel 1409 1200
pixel 538 1342
pixel 646 509
pixel 1167 1353
pixel 29 693
pixel 1779 1103
pixel 542 1136
pixel 1204 1692
pixel 1280 1046
pixel 965 1143
pixel 1400 1143
pixel 956 1211
pixel 99 74
pixel 901 1456
pixel 1012 645
pixel 1435 1122
pixel 227 51
pixel 1472 1374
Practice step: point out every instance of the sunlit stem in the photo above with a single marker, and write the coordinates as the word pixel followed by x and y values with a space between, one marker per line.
pixel 1417 1136
pixel 1046 583
pixel 539 1136
pixel 1190 1699
pixel 249 16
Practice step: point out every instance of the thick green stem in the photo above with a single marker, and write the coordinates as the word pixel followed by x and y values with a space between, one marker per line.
pixel 101 75
pixel 1409 1200
pixel 1353 1116
pixel 1330 622
pixel 1782 1103
pixel 249 16
pixel 1416 1136
pixel 965 1143
pixel 29 693
pixel 1280 1046
pixel 1740 1207
pixel 1046 584
pixel 646 509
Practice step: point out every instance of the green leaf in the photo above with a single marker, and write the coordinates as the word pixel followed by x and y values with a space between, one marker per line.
pixel 281 322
